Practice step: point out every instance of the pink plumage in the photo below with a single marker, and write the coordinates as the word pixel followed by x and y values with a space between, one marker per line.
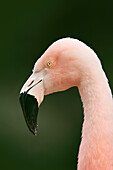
pixel 69 62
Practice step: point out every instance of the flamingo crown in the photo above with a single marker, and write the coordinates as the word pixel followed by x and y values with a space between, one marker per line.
pixel 69 62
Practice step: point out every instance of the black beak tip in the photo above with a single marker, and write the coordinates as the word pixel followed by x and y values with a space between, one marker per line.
pixel 29 106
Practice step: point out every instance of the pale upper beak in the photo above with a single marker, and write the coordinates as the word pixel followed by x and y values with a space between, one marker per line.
pixel 31 96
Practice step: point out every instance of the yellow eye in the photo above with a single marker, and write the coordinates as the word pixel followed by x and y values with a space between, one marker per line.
pixel 49 64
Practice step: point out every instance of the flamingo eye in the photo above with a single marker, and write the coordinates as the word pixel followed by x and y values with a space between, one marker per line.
pixel 49 64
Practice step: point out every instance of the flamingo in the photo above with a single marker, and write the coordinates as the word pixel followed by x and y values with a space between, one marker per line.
pixel 69 62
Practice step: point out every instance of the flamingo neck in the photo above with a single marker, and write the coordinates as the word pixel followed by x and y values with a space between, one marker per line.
pixel 96 97
pixel 97 131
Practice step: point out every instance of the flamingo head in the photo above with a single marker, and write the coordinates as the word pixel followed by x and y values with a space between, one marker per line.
pixel 58 69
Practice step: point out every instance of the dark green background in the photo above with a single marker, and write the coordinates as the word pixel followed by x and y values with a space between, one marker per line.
pixel 27 28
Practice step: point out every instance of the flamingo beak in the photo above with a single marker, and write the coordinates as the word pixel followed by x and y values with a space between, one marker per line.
pixel 31 96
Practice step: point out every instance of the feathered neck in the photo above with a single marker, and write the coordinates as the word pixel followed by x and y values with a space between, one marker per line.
pixel 96 149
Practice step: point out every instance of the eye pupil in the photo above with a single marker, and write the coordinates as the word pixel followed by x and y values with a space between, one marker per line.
pixel 49 64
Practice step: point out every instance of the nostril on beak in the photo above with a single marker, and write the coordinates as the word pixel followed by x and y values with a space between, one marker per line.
pixel 31 83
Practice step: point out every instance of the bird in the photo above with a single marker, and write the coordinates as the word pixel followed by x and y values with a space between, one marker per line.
pixel 66 63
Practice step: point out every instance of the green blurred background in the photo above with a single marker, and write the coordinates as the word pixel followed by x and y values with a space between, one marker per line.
pixel 27 28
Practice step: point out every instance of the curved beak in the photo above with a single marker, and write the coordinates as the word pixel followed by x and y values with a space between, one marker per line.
pixel 31 96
